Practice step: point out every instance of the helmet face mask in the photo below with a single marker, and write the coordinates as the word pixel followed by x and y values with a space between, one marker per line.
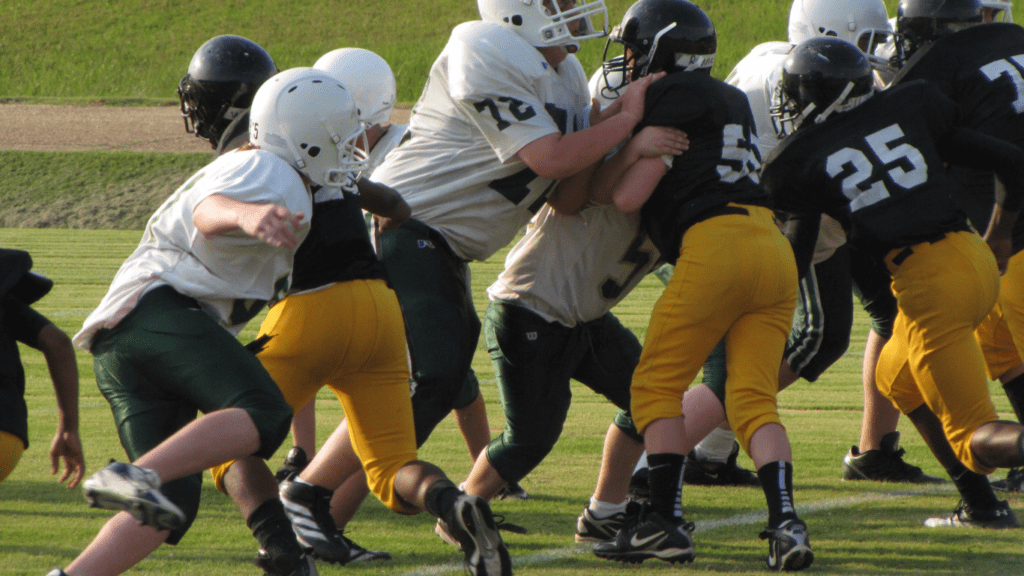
pixel 369 79
pixel 549 23
pixel 919 22
pixel 660 35
pixel 222 79
pixel 308 119
pixel 820 77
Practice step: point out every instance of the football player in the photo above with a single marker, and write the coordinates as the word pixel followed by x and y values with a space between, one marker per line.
pixel 821 332
pixel 164 341
pixel 19 289
pixel 981 67
pixel 216 92
pixel 735 280
pixel 499 123
pixel 860 157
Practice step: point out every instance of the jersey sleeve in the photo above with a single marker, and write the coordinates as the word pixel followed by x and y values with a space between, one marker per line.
pixel 22 322
pixel 492 74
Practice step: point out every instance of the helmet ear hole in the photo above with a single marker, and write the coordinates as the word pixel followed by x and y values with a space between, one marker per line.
pixel 313 151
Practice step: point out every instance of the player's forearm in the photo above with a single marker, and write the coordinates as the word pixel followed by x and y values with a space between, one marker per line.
pixel 63 367
pixel 383 201
pixel 558 156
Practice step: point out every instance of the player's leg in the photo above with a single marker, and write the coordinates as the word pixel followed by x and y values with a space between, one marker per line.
pixel 533 360
pixel 433 286
pixel 877 455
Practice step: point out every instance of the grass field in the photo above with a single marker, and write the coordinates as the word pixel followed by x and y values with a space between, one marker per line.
pixel 856 528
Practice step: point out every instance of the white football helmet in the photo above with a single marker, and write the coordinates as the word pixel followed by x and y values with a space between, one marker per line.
pixel 543 23
pixel 863 23
pixel 308 119
pixel 369 79
pixel 1001 10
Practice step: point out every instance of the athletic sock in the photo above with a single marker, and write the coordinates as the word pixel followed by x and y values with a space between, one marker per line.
pixel 599 509
pixel 974 488
pixel 271 528
pixel 440 498
pixel 777 482
pixel 716 446
pixel 666 484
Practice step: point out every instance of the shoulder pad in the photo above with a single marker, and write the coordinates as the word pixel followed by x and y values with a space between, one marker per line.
pixel 484 48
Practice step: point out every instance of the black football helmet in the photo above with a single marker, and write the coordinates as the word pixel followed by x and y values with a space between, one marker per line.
pixel 921 21
pixel 657 35
pixel 221 81
pixel 820 76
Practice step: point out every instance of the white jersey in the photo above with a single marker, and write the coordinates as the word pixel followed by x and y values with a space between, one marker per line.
pixel 758 75
pixel 232 275
pixel 489 94
pixel 571 269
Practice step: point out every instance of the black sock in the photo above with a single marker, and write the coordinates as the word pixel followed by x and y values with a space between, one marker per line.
pixel 666 484
pixel 974 488
pixel 777 482
pixel 440 498
pixel 1015 393
pixel 271 528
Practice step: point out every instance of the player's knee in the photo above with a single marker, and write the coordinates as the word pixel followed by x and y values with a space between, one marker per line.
pixel 624 421
pixel 271 416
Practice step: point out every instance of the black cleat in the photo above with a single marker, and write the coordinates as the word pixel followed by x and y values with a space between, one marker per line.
pixel 699 472
pixel 648 535
pixel 789 547
pixel 885 464
pixel 998 518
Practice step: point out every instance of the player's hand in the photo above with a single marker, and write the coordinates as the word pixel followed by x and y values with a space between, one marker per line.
pixel 598 114
pixel 660 140
pixel 633 98
pixel 67 446
pixel 273 224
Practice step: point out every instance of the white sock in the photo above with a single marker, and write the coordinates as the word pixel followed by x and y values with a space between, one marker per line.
pixel 599 509
pixel 716 446
pixel 641 464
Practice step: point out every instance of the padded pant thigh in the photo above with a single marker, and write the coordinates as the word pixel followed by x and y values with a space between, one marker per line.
pixel 532 361
pixel 433 287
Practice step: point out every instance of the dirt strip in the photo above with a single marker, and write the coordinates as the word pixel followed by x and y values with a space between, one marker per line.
pixel 46 127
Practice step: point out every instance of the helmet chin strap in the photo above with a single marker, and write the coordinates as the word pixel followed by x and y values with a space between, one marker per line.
pixel 835 104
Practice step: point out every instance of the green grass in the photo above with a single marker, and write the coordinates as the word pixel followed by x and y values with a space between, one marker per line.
pixel 98 190
pixel 856 528
pixel 134 52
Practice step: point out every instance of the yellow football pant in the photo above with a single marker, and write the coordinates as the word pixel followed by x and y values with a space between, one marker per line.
pixel 735 278
pixel 11 448
pixel 1001 333
pixel 943 291
pixel 349 337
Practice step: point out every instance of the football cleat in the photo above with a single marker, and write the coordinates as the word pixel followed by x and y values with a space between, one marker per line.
pixel 885 464
pixel 470 524
pixel 648 535
pixel 699 472
pixel 998 518
pixel 285 565
pixel 592 529
pixel 136 490
pixel 789 547
pixel 309 509
pixel 512 490
pixel 1013 483
pixel 294 462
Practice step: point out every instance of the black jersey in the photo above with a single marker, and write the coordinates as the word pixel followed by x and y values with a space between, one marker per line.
pixel 235 135
pixel 877 169
pixel 982 69
pixel 721 165
pixel 337 248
